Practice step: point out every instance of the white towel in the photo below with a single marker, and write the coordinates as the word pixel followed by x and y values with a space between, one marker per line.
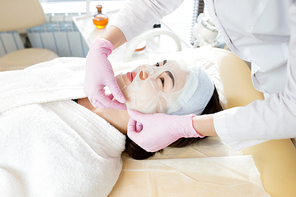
pixel 59 79
pixel 50 145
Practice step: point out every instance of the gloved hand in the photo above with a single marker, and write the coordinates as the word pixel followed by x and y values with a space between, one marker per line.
pixel 98 74
pixel 156 131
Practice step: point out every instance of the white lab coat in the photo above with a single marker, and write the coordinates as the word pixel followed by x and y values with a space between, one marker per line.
pixel 138 16
pixel 262 32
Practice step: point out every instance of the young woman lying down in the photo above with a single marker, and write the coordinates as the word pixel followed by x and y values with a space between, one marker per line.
pixel 52 146
pixel 170 87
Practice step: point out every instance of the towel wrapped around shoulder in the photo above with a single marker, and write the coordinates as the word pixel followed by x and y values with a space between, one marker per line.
pixel 50 145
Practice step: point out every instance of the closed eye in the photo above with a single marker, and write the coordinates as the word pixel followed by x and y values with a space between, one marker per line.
pixel 162 81
pixel 166 81
pixel 171 76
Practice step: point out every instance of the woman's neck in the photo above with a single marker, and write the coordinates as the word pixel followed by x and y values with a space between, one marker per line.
pixel 117 118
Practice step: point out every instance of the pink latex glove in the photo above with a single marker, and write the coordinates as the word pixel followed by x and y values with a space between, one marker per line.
pixel 156 131
pixel 98 74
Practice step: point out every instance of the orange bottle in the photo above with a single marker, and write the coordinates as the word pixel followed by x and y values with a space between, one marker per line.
pixel 100 20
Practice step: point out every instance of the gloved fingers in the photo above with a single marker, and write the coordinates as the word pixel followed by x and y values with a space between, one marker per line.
pixel 115 90
pixel 117 105
pixel 135 135
pixel 139 127
pixel 112 104
pixel 92 101
pixel 102 45
pixel 97 104
pixel 143 138
pixel 106 103
pixel 101 97
pixel 137 116
pixel 132 126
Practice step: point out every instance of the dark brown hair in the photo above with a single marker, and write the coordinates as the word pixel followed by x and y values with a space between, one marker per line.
pixel 136 152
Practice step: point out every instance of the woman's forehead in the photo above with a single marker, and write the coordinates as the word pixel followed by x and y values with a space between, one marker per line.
pixel 173 66
pixel 176 65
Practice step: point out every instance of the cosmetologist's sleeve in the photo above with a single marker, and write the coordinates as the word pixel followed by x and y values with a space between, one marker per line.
pixel 273 118
pixel 136 16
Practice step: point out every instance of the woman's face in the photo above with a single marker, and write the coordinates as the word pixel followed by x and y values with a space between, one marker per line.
pixel 153 88
pixel 165 81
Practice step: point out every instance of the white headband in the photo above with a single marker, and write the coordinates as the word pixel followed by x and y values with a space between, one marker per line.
pixel 195 96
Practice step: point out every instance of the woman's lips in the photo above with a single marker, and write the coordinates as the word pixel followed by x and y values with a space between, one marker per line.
pixel 131 76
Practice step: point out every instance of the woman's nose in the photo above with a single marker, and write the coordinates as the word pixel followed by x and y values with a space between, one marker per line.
pixel 143 73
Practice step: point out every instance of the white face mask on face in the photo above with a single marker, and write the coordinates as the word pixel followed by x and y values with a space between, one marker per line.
pixel 155 89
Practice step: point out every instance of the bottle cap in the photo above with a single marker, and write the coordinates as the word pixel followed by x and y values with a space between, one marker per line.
pixel 99 7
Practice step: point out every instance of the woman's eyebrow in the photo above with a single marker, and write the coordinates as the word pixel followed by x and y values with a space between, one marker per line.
pixel 171 76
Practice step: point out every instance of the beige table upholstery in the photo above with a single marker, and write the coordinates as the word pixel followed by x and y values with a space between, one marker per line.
pixel 276 159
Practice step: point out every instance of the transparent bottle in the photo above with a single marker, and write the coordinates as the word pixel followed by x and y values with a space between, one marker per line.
pixel 100 20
